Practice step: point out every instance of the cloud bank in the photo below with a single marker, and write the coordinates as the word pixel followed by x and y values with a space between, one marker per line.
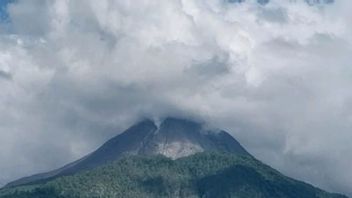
pixel 74 73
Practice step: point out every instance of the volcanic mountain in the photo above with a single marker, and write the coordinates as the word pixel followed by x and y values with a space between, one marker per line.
pixel 179 158
pixel 174 138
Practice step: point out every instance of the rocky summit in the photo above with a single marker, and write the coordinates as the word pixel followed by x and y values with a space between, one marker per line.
pixel 173 138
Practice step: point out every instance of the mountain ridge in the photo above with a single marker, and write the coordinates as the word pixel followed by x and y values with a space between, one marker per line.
pixel 174 138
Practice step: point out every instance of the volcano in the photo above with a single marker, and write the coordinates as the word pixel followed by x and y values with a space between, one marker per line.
pixel 173 138
pixel 177 158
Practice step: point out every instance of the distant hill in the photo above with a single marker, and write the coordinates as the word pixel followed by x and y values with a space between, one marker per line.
pixel 203 175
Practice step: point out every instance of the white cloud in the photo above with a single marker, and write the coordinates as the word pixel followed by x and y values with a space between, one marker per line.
pixel 74 73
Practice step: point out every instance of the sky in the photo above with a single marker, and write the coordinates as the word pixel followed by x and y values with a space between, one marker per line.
pixel 74 73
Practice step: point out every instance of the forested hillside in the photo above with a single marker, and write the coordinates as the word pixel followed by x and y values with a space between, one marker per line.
pixel 203 175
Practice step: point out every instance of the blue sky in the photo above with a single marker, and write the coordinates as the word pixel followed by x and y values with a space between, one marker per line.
pixel 3 4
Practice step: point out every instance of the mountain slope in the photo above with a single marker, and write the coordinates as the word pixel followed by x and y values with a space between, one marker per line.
pixel 174 138
pixel 203 175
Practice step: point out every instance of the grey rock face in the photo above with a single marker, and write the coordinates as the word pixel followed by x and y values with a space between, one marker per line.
pixel 174 138
pixel 177 138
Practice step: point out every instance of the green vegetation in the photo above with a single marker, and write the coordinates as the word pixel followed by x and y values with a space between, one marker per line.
pixel 204 175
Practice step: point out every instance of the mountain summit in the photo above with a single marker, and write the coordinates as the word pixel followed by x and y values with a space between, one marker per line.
pixel 173 138
pixel 177 159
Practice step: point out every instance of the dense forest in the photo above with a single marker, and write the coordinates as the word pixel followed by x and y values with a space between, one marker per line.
pixel 203 175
